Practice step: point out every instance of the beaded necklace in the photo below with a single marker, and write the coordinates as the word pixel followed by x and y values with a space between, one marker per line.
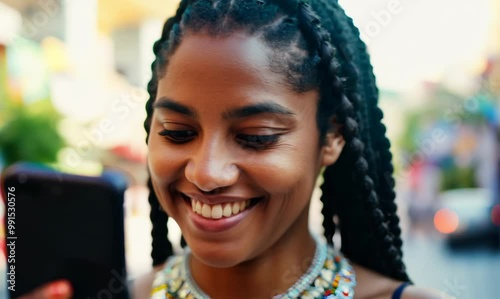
pixel 329 277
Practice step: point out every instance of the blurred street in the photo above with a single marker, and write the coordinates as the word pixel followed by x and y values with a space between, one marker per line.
pixel 464 275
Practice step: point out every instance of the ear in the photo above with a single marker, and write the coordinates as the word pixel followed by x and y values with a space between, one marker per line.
pixel 334 144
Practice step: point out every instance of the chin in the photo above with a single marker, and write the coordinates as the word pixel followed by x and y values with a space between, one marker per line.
pixel 218 256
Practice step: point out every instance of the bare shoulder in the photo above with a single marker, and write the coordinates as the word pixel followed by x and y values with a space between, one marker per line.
pixel 372 285
pixel 141 288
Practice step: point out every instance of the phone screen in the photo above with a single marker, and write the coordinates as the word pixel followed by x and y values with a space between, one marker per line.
pixel 67 227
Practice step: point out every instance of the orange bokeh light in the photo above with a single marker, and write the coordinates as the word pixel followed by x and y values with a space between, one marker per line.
pixel 446 221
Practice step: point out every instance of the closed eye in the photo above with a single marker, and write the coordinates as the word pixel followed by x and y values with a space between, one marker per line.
pixel 178 136
pixel 257 141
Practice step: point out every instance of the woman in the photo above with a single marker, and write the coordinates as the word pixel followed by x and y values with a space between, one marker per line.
pixel 250 101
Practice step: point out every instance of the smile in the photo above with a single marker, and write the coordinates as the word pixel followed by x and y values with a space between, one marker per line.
pixel 219 210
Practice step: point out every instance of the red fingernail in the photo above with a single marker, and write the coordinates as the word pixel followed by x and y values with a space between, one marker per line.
pixel 59 290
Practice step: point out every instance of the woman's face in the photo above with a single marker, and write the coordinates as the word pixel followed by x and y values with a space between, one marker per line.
pixel 224 121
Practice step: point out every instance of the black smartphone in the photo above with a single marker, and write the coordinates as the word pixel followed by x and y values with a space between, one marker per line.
pixel 63 226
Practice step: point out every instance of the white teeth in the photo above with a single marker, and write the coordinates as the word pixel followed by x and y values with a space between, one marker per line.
pixel 236 208
pixel 220 210
pixel 227 210
pixel 206 211
pixel 217 211
pixel 198 207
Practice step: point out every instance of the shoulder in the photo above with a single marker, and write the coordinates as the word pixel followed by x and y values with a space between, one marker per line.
pixel 372 285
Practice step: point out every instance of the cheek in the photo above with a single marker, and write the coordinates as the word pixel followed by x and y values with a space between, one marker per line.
pixel 283 171
pixel 164 165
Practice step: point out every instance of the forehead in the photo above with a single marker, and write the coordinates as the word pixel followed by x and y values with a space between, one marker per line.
pixel 237 48
pixel 236 61
pixel 227 72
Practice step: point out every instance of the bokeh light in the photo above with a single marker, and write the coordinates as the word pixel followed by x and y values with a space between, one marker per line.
pixel 446 221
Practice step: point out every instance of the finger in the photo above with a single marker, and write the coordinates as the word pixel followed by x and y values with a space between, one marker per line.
pixel 60 289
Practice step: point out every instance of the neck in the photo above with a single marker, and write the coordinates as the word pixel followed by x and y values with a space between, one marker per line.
pixel 269 274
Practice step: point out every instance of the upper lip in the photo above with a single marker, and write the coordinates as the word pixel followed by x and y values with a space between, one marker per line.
pixel 214 199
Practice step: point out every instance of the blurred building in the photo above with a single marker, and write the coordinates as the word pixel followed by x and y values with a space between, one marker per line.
pixel 93 59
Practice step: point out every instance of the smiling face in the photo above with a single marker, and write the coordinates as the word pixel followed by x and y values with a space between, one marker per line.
pixel 224 122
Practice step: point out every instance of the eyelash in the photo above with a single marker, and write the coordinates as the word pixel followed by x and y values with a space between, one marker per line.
pixel 258 142
pixel 173 135
pixel 255 142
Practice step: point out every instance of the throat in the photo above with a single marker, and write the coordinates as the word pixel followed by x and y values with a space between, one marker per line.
pixel 273 273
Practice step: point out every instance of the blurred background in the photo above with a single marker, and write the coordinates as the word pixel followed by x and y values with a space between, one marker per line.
pixel 72 95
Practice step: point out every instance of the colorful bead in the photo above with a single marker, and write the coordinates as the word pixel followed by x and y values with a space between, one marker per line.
pixel 346 292
pixel 329 277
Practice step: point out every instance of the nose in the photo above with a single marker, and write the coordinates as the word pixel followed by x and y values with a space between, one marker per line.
pixel 212 166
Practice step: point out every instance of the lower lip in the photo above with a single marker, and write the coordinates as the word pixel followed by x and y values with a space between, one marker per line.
pixel 216 225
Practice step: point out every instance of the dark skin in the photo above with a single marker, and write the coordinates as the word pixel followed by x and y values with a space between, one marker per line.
pixel 254 257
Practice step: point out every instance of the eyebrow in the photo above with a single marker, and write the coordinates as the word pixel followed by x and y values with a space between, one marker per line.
pixel 172 105
pixel 259 108
pixel 240 112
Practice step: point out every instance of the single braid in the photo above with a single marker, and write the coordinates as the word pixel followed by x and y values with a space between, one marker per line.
pixel 383 159
pixel 161 246
pixel 329 210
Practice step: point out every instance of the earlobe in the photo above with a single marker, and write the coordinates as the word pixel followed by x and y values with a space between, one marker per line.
pixel 334 144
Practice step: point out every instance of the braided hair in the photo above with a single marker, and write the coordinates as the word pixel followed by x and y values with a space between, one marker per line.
pixel 346 35
pixel 315 46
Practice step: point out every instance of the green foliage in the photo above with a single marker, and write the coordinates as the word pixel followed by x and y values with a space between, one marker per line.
pixel 458 177
pixel 441 106
pixel 30 134
pixel 408 140
pixel 445 108
pixel 3 83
